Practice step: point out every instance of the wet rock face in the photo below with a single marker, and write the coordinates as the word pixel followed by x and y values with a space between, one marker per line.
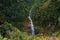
pixel 28 31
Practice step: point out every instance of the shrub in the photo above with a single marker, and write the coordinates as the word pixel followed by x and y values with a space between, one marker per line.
pixel 1 37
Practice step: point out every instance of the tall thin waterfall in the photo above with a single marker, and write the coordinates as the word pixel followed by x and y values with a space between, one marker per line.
pixel 31 22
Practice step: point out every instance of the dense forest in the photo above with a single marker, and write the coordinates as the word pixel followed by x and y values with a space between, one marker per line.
pixel 29 16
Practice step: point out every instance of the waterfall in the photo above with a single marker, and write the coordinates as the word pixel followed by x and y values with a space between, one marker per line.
pixel 32 26
pixel 31 22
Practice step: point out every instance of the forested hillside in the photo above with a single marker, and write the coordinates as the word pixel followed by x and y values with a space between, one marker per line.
pixel 29 16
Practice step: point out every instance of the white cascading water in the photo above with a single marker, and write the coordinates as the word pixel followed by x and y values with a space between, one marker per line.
pixel 31 22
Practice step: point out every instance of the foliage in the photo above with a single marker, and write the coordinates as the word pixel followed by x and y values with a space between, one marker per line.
pixel 30 38
pixel 1 38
